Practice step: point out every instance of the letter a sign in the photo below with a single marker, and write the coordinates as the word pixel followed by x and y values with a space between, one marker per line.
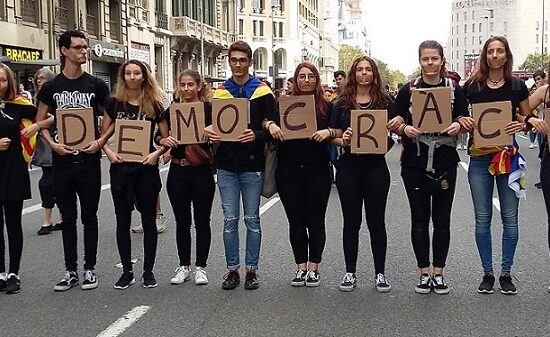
pixel 431 109
pixel 369 131
pixel 75 127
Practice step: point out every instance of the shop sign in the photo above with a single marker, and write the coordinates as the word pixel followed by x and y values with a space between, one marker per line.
pixel 21 54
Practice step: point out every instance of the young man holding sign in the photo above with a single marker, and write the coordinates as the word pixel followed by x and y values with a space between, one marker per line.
pixel 500 104
pixel 362 175
pixel 76 171
pixel 240 160
pixel 429 159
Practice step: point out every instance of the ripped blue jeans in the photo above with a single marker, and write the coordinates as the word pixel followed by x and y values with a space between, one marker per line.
pixel 232 185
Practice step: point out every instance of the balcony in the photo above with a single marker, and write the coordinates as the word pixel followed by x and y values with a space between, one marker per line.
pixel 280 40
pixel 62 17
pixel 114 31
pixel 91 24
pixel 29 10
pixel 185 26
pixel 162 20
pixel 259 39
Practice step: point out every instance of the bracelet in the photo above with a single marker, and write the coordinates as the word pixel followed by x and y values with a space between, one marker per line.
pixel 267 125
pixel 402 128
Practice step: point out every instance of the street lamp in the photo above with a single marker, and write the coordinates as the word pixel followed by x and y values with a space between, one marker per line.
pixel 275 69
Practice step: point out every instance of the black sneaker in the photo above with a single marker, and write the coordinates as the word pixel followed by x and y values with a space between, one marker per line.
pixel 149 280
pixel 348 282
pixel 57 226
pixel 13 285
pixel 312 278
pixel 69 280
pixel 439 285
pixel 486 286
pixel 424 286
pixel 300 279
pixel 382 285
pixel 506 285
pixel 126 280
pixel 44 230
pixel 90 280
pixel 231 280
pixel 251 280
pixel 4 283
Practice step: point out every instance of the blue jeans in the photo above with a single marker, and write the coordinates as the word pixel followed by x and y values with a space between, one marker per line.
pixel 481 186
pixel 232 185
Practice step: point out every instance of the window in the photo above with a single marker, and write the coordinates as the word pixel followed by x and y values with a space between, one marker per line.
pixel 281 30
pixel 29 10
pixel 473 15
pixel 457 18
pixel 480 27
pixel 491 26
pixel 255 3
pixel 545 38
pixel 480 40
pixel 452 43
pixel 452 30
pixel 241 26
pixel 465 16
pixel 255 28
pixel 457 41
pixel 473 27
pixel 261 28
pixel 505 26
pixel 465 41
pixel 538 25
pixel 473 40
pixel 537 38
pixel 465 28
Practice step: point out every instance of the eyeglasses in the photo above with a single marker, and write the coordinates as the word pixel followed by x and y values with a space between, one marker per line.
pixel 310 77
pixel 234 61
pixel 79 48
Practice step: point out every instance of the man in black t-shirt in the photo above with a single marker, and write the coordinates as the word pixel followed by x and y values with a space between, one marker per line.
pixel 75 172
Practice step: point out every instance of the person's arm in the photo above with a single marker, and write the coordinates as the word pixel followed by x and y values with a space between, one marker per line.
pixel 107 130
pixel 152 158
pixel 530 120
pixel 41 116
pixel 335 123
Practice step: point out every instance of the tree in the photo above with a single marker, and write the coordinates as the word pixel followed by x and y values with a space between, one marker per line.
pixel 414 74
pixel 532 63
pixel 346 55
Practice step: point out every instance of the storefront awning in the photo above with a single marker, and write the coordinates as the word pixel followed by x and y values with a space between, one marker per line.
pixel 30 63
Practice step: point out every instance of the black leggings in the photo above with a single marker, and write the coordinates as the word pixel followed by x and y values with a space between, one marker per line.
pixel 365 184
pixel 429 195
pixel 545 182
pixel 304 192
pixel 140 185
pixel 12 211
pixel 45 185
pixel 186 185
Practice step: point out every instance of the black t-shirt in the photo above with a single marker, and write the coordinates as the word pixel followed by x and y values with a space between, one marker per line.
pixel 341 119
pixel 444 156
pixel 298 152
pixel 86 91
pixel 117 110
pixel 179 152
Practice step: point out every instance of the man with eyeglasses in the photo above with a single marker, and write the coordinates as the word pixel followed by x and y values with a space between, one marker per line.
pixel 240 166
pixel 75 173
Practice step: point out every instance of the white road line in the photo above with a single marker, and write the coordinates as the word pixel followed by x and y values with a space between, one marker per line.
pixel 123 323
pixel 37 207
pixel 268 205
pixel 464 166
pixel 496 203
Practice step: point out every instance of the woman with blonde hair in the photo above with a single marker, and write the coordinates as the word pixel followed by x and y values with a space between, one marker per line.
pixel 137 97
pixel 191 182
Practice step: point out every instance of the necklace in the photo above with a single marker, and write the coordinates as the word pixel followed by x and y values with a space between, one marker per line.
pixel 495 82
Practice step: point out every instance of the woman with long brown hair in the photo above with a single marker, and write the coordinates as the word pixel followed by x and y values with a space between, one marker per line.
pixel 363 180
pixel 189 183
pixel 137 97
pixel 494 83
pixel 429 168
pixel 304 180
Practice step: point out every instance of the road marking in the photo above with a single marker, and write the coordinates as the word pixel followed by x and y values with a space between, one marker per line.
pixel 464 166
pixel 37 207
pixel 268 205
pixel 123 323
pixel 496 203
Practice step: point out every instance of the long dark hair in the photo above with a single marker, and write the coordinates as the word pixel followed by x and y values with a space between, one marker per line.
pixel 319 94
pixel 480 77
pixel 432 44
pixel 379 98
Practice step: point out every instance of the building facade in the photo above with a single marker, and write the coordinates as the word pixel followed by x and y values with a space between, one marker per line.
pixel 474 21
pixel 351 28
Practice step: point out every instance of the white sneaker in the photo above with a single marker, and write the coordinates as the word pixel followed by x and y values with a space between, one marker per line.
pixel 200 276
pixel 161 223
pixel 137 229
pixel 182 275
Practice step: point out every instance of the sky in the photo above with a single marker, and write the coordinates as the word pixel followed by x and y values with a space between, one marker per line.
pixel 397 27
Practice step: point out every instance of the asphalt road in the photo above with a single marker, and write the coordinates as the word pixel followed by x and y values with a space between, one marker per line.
pixel 277 309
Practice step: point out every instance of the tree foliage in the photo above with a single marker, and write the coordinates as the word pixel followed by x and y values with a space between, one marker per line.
pixel 346 55
pixel 532 62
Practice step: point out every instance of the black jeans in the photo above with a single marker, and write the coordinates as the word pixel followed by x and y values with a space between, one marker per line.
pixel 140 185
pixel 365 184
pixel 545 182
pixel 82 179
pixel 430 194
pixel 304 192
pixel 12 211
pixel 45 185
pixel 186 185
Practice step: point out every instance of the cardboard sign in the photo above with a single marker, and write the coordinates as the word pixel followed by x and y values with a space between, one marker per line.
pixel 431 109
pixel 369 131
pixel 491 119
pixel 298 117
pixel 132 139
pixel 230 118
pixel 187 121
pixel 75 127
